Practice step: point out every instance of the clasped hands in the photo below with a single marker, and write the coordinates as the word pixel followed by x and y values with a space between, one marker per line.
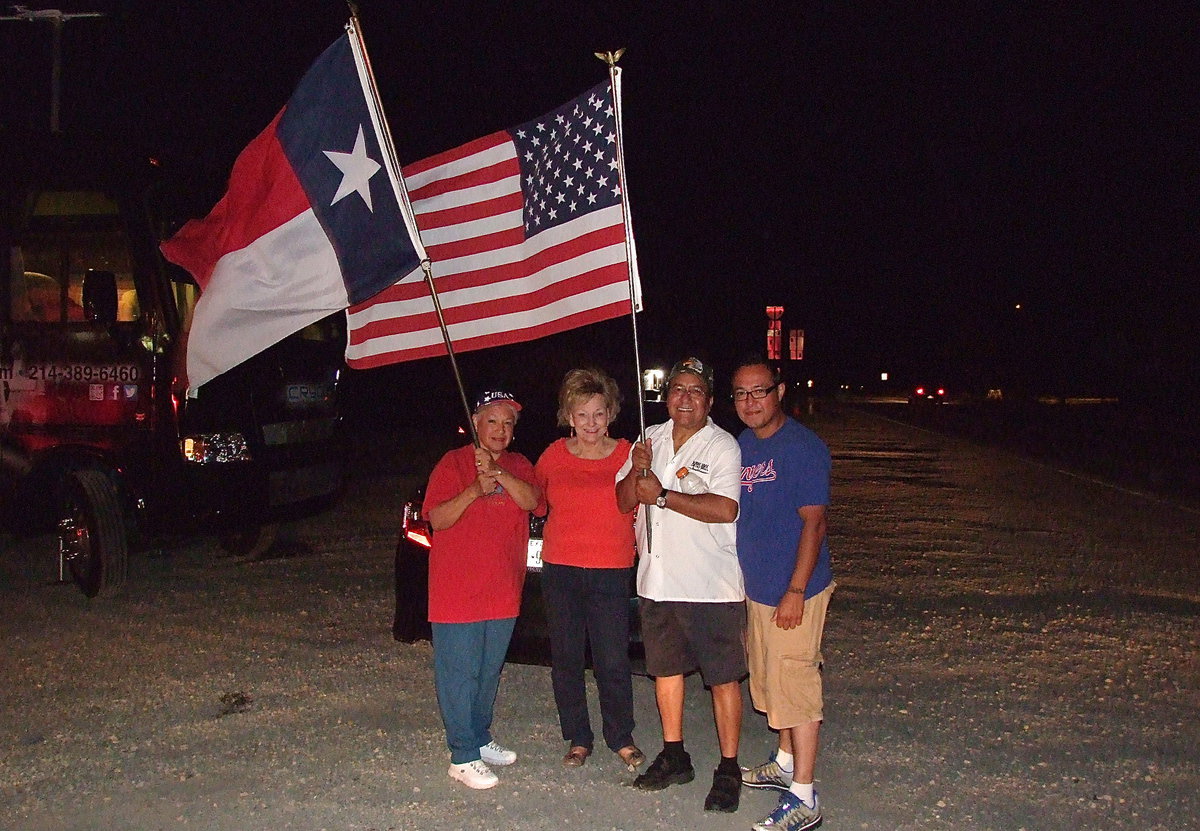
pixel 487 472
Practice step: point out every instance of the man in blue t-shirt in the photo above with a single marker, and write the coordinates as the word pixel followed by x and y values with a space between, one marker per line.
pixel 785 560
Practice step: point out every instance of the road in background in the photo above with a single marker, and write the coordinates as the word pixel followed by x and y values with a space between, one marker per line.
pixel 1132 446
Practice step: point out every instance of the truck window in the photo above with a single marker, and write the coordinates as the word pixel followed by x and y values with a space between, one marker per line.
pixel 66 234
pixel 327 330
pixel 185 295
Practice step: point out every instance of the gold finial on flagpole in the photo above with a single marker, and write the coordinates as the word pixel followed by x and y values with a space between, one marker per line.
pixel 610 58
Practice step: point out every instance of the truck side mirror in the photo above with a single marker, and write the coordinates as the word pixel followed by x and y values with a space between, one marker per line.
pixel 100 296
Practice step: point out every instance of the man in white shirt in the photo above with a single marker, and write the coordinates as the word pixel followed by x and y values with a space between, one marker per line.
pixel 689 581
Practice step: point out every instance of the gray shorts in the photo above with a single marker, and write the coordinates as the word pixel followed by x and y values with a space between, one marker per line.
pixel 681 637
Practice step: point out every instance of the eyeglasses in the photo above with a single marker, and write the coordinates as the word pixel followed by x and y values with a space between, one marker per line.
pixel 756 393
pixel 693 392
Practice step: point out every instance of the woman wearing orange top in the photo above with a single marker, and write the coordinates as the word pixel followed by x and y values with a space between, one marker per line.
pixel 587 560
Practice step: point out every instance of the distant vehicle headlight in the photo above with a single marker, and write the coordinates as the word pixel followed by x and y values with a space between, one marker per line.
pixel 214 448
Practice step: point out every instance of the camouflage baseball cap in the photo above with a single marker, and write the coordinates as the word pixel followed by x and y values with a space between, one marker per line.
pixel 696 367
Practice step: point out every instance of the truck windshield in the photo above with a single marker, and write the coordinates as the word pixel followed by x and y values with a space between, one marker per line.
pixel 68 233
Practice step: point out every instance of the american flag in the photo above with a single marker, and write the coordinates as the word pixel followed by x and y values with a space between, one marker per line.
pixel 526 229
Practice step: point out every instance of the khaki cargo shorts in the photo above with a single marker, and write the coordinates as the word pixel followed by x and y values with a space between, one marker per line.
pixel 785 665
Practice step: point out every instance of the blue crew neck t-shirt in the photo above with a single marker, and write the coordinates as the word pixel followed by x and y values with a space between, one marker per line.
pixel 780 475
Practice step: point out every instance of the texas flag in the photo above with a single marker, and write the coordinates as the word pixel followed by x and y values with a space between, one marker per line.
pixel 311 224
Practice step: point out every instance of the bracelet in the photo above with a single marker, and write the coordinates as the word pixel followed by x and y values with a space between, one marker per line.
pixel 794 590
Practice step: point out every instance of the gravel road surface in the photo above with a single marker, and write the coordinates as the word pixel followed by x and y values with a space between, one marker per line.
pixel 1009 647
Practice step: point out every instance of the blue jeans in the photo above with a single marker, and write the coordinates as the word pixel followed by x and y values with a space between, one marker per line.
pixel 590 605
pixel 467 660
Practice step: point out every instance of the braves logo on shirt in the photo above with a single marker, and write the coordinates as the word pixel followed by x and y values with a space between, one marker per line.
pixel 756 474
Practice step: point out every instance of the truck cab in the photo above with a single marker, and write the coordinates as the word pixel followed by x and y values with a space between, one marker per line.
pixel 99 438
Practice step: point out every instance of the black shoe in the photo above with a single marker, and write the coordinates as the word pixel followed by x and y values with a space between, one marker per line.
pixel 666 770
pixel 725 793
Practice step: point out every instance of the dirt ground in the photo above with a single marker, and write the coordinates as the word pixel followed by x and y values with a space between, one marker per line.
pixel 1009 647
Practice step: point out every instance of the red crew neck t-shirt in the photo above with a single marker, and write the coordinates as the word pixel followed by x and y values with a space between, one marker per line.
pixel 584 527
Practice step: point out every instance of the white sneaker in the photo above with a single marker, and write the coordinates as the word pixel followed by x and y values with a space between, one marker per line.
pixel 474 774
pixel 494 754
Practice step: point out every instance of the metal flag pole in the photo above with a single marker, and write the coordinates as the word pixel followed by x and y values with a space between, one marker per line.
pixel 427 267
pixel 390 163
pixel 614 75
pixel 635 295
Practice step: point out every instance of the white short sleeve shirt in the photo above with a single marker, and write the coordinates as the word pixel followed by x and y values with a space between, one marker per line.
pixel 690 560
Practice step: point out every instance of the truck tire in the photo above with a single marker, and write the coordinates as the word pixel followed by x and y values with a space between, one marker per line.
pixel 91 532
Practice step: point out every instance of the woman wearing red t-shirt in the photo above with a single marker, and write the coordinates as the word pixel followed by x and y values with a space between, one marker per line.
pixel 587 557
pixel 478 501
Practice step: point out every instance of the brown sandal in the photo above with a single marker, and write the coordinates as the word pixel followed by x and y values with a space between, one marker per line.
pixel 576 756
pixel 632 757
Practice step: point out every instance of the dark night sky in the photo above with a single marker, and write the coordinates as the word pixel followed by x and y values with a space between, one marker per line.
pixel 900 179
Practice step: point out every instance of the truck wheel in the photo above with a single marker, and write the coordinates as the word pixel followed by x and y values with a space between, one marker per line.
pixel 250 542
pixel 91 532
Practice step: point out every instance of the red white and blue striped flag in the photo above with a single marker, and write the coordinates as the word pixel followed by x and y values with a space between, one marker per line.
pixel 526 229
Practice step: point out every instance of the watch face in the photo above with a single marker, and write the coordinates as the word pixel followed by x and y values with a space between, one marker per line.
pixel 661 501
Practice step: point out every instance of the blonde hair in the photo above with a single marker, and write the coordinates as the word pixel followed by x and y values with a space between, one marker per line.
pixel 581 384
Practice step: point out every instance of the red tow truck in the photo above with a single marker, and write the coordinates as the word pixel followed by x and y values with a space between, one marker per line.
pixel 98 440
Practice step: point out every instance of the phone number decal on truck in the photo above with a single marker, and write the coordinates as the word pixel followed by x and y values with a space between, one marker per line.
pixel 119 373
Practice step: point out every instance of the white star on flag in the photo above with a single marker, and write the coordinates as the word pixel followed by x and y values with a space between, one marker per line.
pixel 357 169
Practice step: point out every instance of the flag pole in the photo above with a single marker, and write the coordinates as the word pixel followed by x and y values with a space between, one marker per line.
pixel 390 163
pixel 427 267
pixel 614 78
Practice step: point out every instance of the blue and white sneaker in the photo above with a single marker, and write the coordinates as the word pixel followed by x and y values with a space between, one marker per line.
pixel 791 814
pixel 767 775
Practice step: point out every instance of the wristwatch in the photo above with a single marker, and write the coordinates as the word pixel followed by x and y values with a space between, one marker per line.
pixel 662 499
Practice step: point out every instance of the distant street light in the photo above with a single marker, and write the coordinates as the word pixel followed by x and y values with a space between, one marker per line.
pixel 56 18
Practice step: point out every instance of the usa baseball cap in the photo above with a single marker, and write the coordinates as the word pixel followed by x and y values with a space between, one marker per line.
pixel 492 396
